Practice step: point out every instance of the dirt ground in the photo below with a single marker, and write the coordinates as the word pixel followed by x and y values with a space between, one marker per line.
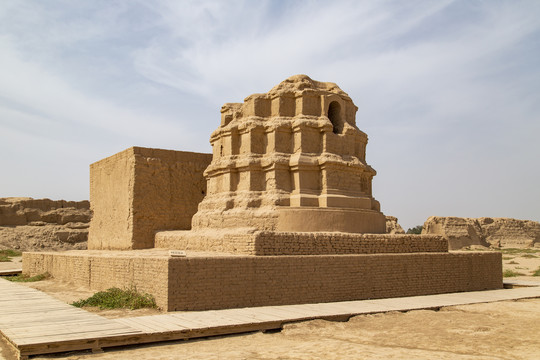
pixel 501 330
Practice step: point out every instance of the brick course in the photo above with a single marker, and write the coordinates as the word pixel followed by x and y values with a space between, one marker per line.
pixel 299 243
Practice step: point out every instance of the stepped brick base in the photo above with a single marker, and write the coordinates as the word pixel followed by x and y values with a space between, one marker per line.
pixel 205 281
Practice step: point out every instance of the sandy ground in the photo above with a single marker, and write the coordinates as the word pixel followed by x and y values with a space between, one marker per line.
pixel 523 263
pixel 502 330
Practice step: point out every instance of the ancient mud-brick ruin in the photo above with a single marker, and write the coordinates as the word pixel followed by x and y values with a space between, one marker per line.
pixel 138 191
pixel 282 214
pixel 290 160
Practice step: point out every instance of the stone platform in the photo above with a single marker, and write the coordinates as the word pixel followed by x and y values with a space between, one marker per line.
pixel 206 281
pixel 253 242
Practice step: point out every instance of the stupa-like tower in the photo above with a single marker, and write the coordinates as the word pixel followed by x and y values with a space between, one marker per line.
pixel 292 159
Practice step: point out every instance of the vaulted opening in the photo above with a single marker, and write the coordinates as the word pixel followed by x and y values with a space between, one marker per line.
pixel 334 114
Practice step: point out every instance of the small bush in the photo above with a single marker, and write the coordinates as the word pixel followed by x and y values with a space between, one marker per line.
pixel 415 230
pixel 511 273
pixel 26 278
pixel 4 258
pixel 536 272
pixel 115 298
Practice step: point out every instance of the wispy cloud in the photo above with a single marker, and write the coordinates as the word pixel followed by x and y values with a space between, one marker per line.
pixel 447 90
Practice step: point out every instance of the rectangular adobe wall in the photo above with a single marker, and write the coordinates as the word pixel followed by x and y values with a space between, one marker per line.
pixel 141 190
pixel 111 194
pixel 241 281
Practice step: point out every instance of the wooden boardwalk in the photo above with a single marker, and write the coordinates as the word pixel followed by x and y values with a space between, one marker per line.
pixel 10 272
pixel 35 323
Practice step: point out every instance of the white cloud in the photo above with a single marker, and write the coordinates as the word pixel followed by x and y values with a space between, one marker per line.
pixel 33 90
pixel 447 91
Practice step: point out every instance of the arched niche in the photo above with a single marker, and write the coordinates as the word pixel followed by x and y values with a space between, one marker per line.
pixel 334 114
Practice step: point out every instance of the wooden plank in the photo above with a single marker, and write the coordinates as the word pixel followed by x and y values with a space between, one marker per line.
pixel 219 319
pixel 233 314
pixel 62 327
pixel 166 320
pixel 86 335
pixel 158 326
pixel 34 310
pixel 10 272
pixel 136 325
pixel 54 316
pixel 282 314
pixel 238 315
pixel 261 316
pixel 83 334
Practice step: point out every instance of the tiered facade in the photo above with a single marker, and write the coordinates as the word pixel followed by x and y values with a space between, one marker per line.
pixel 292 154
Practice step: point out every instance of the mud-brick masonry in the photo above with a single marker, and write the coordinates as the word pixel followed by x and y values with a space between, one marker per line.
pixel 141 190
pixel 282 212
pixel 202 281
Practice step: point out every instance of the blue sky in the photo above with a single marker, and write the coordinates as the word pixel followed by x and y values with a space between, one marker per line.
pixel 448 91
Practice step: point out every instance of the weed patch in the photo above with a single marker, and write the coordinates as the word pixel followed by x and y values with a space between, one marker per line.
pixel 26 278
pixel 6 255
pixel 507 258
pixel 530 256
pixel 511 273
pixel 511 251
pixel 115 298
pixel 513 262
pixel 536 272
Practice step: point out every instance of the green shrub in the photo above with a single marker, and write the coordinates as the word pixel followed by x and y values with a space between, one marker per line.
pixel 415 230
pixel 511 273
pixel 10 253
pixel 26 278
pixel 115 298
pixel 6 255
pixel 536 272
